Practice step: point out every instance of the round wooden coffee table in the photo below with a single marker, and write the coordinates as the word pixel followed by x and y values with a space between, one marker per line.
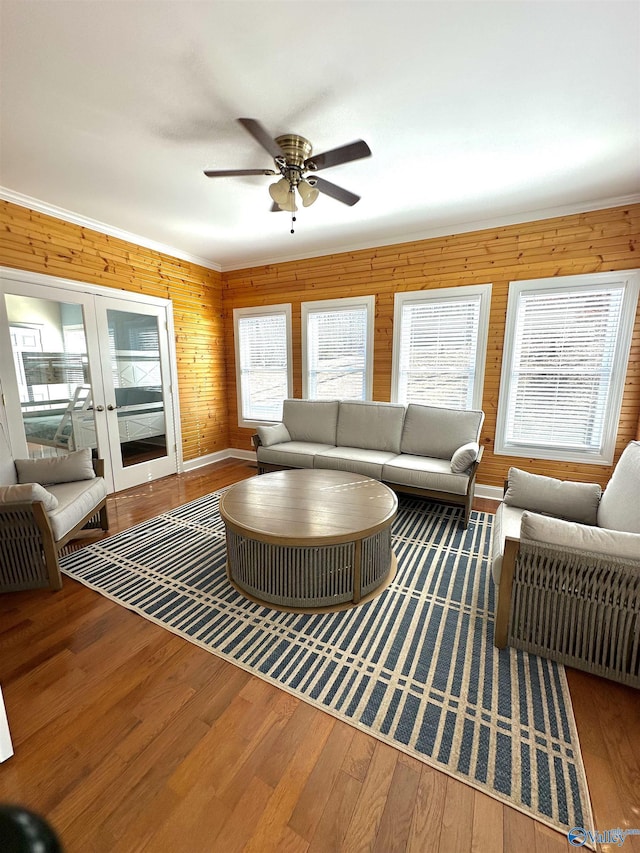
pixel 309 538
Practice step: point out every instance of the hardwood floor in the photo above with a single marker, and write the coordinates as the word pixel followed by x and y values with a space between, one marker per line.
pixel 128 738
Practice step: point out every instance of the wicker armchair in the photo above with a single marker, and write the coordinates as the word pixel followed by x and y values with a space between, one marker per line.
pixel 36 523
pixel 568 588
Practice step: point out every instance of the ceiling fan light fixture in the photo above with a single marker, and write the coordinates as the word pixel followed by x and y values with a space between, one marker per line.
pixel 308 194
pixel 279 192
pixel 289 203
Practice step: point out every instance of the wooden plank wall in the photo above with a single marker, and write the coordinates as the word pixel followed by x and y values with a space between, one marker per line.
pixel 569 245
pixel 39 243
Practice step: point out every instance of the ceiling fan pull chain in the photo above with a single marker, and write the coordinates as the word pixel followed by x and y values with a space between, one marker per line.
pixel 293 207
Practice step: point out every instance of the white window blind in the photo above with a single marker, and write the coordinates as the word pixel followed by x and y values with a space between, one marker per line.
pixel 338 351
pixel 563 364
pixel 263 371
pixel 438 352
pixel 440 339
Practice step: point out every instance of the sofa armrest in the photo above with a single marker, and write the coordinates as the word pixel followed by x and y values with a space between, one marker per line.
pixel 256 441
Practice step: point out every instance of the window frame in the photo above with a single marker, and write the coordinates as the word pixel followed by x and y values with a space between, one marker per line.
pixel 630 280
pixel 265 311
pixel 444 294
pixel 346 303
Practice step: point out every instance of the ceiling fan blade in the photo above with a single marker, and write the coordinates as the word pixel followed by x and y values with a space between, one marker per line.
pixel 339 193
pixel 344 154
pixel 262 136
pixel 228 173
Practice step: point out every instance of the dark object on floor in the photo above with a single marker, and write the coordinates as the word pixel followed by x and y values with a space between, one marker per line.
pixel 22 831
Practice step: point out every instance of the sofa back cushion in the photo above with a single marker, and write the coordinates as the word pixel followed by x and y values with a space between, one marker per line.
pixel 311 420
pixel 619 507
pixel 437 431
pixel 373 426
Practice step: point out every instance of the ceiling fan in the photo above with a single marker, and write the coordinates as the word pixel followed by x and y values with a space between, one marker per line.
pixel 293 158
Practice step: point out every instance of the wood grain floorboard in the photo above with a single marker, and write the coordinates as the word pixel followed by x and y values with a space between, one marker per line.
pixel 128 738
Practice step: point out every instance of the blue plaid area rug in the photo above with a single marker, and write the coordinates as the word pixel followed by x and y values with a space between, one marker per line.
pixel 415 667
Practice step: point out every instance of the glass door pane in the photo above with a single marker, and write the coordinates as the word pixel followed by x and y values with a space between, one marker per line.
pixel 134 351
pixel 49 347
pixel 138 404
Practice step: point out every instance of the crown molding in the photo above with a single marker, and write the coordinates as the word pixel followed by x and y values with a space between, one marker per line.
pixel 111 230
pixel 445 231
pixel 336 249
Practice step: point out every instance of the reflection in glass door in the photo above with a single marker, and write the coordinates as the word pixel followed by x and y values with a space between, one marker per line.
pixel 49 347
pixel 134 350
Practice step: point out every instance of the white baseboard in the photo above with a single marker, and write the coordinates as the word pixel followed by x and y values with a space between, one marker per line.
pixel 493 493
pixel 220 456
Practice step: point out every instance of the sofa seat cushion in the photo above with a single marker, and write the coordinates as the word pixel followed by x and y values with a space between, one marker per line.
pixel 311 420
pixel 292 454
pixel 373 426
pixel 357 460
pixel 507 522
pixel 425 472
pixel 75 500
pixel 438 432
pixel 619 507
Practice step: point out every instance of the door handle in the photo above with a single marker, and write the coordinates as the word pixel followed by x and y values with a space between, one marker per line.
pixel 112 408
pixel 99 408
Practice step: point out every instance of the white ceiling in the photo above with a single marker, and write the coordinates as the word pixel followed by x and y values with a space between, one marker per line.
pixel 477 113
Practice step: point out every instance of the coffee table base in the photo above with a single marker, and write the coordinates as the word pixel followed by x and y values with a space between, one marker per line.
pixel 309 576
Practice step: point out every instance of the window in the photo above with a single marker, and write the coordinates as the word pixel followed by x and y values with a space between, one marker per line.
pixel 439 346
pixel 337 349
pixel 263 361
pixel 566 351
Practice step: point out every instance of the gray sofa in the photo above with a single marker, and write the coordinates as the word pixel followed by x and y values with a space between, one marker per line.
pixel 566 566
pixel 425 450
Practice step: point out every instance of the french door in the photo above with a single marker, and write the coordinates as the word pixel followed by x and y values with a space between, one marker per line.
pixel 88 369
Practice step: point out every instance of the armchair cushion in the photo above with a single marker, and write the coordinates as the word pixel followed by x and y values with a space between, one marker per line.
pixel 27 493
pixel 70 468
pixel 620 505
pixel 273 434
pixel 464 456
pixel 75 500
pixel 548 496
pixel 584 537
